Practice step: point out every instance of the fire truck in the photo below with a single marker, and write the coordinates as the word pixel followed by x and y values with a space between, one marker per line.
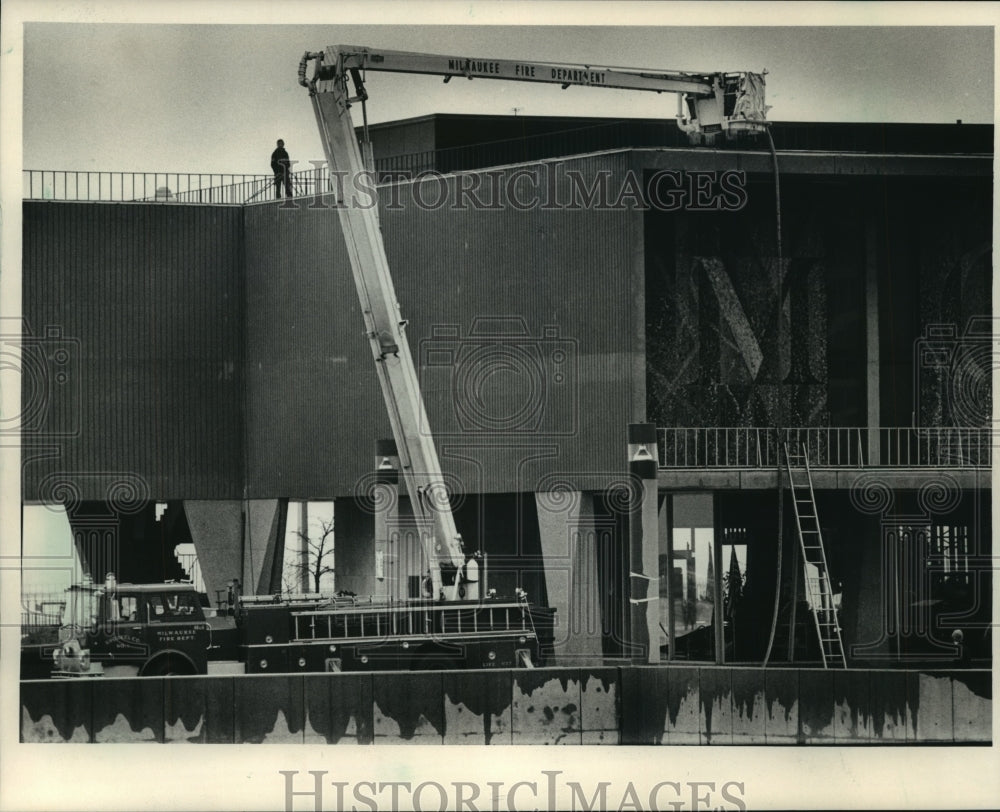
pixel 166 629
pixel 162 629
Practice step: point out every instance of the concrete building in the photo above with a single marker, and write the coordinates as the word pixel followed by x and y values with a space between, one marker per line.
pixel 563 279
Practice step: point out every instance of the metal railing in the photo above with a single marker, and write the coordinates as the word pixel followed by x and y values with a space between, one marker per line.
pixel 147 187
pixel 41 610
pixel 520 142
pixel 833 447
pixel 168 187
pixel 187 187
pixel 383 621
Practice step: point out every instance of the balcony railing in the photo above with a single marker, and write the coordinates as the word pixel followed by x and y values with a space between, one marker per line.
pixel 830 447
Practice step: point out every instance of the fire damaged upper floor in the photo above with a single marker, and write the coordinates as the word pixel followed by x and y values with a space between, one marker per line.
pixel 837 291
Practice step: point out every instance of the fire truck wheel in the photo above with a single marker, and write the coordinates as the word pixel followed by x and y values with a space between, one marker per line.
pixel 167 667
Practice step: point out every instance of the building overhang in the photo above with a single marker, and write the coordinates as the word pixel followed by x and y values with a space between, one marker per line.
pixel 804 162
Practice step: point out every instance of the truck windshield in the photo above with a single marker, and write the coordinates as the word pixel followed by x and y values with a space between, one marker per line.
pixel 124 609
pixel 166 608
pixel 81 606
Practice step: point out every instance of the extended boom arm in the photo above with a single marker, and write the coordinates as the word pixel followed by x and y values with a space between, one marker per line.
pixel 720 102
pixel 708 103
pixel 384 327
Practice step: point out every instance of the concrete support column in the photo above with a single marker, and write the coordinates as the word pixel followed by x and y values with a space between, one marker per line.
pixel 666 518
pixel 260 546
pixel 305 582
pixel 644 545
pixel 569 553
pixel 873 406
pixel 216 529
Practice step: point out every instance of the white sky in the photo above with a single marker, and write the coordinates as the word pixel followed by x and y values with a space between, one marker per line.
pixel 214 98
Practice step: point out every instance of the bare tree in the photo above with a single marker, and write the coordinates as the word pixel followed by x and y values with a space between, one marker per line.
pixel 319 555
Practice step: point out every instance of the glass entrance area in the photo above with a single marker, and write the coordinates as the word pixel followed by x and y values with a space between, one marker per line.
pixel 689 600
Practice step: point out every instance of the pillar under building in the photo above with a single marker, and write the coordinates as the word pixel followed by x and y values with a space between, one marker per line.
pixel 568 536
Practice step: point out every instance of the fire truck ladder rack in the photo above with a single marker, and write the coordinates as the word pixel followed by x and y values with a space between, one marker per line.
pixel 440 620
pixel 819 590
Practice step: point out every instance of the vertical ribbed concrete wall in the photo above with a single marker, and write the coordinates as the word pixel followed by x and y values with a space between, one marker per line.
pixel 199 349
pixel 208 345
pixel 135 368
pixel 467 280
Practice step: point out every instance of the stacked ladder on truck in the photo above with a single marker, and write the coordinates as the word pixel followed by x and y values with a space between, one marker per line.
pixel 819 588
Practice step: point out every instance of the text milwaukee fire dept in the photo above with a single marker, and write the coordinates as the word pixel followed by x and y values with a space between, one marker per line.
pixel 486 67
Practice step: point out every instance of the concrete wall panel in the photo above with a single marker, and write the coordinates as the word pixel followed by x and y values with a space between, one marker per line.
pixel 632 705
pixel 127 710
pixel 929 697
pixel 852 720
pixel 748 707
pixel 643 705
pixel 600 710
pixel 199 710
pixel 781 704
pixel 55 711
pixel 889 707
pixel 546 707
pixel 715 687
pixel 972 694
pixel 817 705
pixel 684 717
pixel 477 707
pixel 269 709
pixel 408 708
pixel 338 708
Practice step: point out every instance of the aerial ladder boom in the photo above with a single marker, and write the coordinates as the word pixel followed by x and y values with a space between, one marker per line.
pixel 708 103
pixel 384 326
pixel 719 102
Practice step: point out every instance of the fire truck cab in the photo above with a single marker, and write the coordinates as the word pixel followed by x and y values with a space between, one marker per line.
pixel 150 629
